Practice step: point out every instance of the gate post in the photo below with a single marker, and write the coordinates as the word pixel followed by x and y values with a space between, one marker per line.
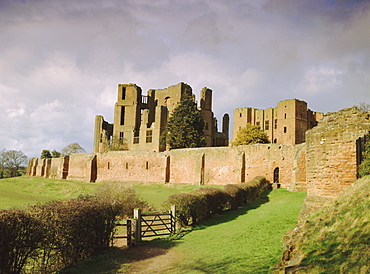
pixel 173 218
pixel 137 216
pixel 129 233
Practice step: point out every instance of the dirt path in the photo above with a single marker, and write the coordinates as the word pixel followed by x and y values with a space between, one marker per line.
pixel 147 259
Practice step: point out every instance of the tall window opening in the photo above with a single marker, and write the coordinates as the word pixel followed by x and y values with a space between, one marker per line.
pixel 284 129
pixel 123 93
pixel 275 124
pixel 122 122
pixel 267 125
pixel 149 136
pixel 136 137
pixel 276 176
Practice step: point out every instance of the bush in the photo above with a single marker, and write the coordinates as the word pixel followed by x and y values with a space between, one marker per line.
pixel 191 207
pixel 21 235
pixel 76 229
pixel 125 196
pixel 217 200
pixel 195 206
pixel 237 195
pixel 364 168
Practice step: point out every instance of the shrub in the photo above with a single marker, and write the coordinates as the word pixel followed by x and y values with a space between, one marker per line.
pixel 236 194
pixel 20 236
pixel 191 207
pixel 125 196
pixel 76 229
pixel 217 200
pixel 364 168
pixel 197 205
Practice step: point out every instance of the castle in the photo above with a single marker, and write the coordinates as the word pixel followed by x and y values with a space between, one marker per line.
pixel 324 165
pixel 140 120
pixel 285 124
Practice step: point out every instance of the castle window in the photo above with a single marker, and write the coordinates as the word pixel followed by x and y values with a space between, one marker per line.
pixel 108 166
pixel 267 125
pixel 149 136
pixel 275 141
pixel 136 137
pixel 123 93
pixel 122 122
pixel 126 165
pixel 284 129
pixel 285 116
pixel 147 165
pixel 206 126
pixel 240 114
pixel 121 136
pixel 275 124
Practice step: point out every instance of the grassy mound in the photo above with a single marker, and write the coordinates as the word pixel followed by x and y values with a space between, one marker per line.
pixel 336 239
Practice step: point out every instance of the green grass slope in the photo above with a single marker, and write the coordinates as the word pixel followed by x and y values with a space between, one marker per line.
pixel 248 240
pixel 337 238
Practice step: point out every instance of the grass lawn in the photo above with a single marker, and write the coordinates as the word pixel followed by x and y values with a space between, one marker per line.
pixel 248 240
pixel 21 191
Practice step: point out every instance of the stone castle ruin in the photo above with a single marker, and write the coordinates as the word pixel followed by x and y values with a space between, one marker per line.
pixel 324 165
pixel 140 120
pixel 285 124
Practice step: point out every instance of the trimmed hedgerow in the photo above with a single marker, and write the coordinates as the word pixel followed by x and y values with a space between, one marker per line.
pixel 76 229
pixel 217 200
pixel 190 207
pixel 195 206
pixel 20 236
pixel 49 237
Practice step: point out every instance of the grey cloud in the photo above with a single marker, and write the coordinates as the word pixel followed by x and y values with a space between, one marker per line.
pixel 61 61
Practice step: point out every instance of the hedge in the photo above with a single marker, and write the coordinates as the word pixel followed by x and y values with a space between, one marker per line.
pixel 47 238
pixel 195 206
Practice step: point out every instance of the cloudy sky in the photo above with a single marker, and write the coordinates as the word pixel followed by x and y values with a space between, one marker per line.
pixel 61 60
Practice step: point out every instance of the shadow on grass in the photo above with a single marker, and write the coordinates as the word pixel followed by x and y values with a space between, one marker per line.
pixel 231 215
pixel 118 260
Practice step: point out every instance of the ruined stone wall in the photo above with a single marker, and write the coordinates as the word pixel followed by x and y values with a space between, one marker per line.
pixel 331 151
pixel 222 165
pixel 80 167
pixel 264 159
pixel 144 166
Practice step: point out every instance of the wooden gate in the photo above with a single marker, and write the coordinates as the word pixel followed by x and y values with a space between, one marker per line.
pixel 153 225
pixel 147 225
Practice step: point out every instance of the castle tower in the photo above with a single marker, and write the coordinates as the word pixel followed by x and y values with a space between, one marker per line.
pixel 140 120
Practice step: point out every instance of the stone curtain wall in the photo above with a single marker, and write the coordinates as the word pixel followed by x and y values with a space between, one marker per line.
pixel 222 165
pixel 143 166
pixel 331 151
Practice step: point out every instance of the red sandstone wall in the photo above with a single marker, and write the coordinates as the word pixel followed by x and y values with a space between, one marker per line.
pixel 131 166
pixel 80 167
pixel 331 152
pixel 221 165
pixel 262 159
pixel 185 166
pixel 56 168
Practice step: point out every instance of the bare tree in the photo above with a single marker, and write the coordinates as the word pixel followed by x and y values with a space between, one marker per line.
pixel 11 161
pixel 363 106
pixel 71 149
